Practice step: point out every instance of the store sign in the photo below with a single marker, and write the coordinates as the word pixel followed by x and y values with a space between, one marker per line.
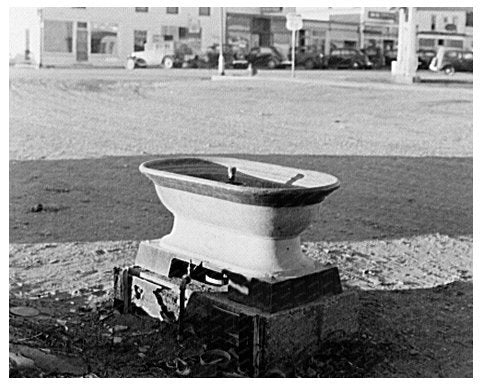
pixel 294 22
pixel 382 15
pixel 271 9
pixel 372 31
pixel 451 28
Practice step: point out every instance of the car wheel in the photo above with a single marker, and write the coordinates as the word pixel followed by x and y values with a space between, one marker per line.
pixel 309 65
pixel 168 62
pixel 130 64
pixel 449 70
pixel 271 64
pixel 355 65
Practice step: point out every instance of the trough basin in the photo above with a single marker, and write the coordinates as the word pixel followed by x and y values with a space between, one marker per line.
pixel 239 215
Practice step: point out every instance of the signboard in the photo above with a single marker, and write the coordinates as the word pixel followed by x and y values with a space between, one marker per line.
pixel 451 28
pixel 271 9
pixel 294 22
pixel 382 15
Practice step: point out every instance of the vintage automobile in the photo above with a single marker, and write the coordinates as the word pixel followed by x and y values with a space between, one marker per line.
pixel 309 57
pixel 347 58
pixel 153 55
pixel 268 57
pixel 233 58
pixel 375 55
pixel 425 56
pixel 450 60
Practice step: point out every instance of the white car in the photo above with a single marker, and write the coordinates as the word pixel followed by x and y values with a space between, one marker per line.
pixel 154 55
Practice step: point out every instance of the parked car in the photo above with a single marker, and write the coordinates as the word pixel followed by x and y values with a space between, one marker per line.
pixel 266 57
pixel 451 60
pixel 375 56
pixel 347 58
pixel 308 56
pixel 154 55
pixel 233 58
pixel 425 56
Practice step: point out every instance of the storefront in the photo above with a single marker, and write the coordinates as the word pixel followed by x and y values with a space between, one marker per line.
pixel 244 31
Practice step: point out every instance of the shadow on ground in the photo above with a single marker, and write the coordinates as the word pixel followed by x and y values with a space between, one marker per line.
pixel 411 333
pixel 108 198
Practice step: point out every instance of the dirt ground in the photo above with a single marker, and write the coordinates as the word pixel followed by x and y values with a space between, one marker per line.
pixel 399 229
pixel 75 115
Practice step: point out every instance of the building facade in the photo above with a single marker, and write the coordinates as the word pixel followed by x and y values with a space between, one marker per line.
pixel 107 36
pixel 248 27
pixel 445 27
pixel 436 26
pixel 66 36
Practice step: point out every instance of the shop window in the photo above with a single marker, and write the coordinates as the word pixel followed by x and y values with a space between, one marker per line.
pixel 57 36
pixel 183 31
pixel 142 9
pixel 455 43
pixel 426 42
pixel 140 39
pixel 204 11
pixel 433 22
pixel 172 10
pixel 349 44
pixel 103 38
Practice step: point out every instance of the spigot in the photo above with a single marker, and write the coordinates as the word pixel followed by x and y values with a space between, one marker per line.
pixel 231 174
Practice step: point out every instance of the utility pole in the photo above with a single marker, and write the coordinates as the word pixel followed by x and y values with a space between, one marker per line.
pixel 221 45
pixel 404 68
pixel 41 45
pixel 362 28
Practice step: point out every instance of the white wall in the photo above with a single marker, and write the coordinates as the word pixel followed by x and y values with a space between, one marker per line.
pixel 21 19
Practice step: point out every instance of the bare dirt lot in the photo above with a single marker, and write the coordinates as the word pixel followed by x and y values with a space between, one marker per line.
pixel 73 115
pixel 400 228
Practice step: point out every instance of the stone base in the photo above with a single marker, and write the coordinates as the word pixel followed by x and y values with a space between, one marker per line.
pixel 261 339
pixel 404 79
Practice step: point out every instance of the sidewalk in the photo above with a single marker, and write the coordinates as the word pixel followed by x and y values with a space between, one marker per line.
pixel 355 79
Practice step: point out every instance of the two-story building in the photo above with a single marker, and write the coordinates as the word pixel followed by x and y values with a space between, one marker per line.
pixel 447 27
pixel 101 36
pixel 65 36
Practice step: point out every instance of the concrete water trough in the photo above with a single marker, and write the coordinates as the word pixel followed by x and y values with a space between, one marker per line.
pixel 239 215
pixel 232 265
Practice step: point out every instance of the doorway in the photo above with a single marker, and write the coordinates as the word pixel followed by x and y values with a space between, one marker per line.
pixel 262 28
pixel 82 45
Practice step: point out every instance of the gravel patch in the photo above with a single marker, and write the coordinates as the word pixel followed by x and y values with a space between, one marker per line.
pixel 406 263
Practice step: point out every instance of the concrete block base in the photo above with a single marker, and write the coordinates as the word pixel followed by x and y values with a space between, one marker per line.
pixel 267 340
pixel 404 79
pixel 261 339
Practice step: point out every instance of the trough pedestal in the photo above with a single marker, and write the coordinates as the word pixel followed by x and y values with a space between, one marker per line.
pixel 268 322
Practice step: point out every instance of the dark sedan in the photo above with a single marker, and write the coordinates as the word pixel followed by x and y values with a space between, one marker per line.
pixel 347 58
pixel 266 57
